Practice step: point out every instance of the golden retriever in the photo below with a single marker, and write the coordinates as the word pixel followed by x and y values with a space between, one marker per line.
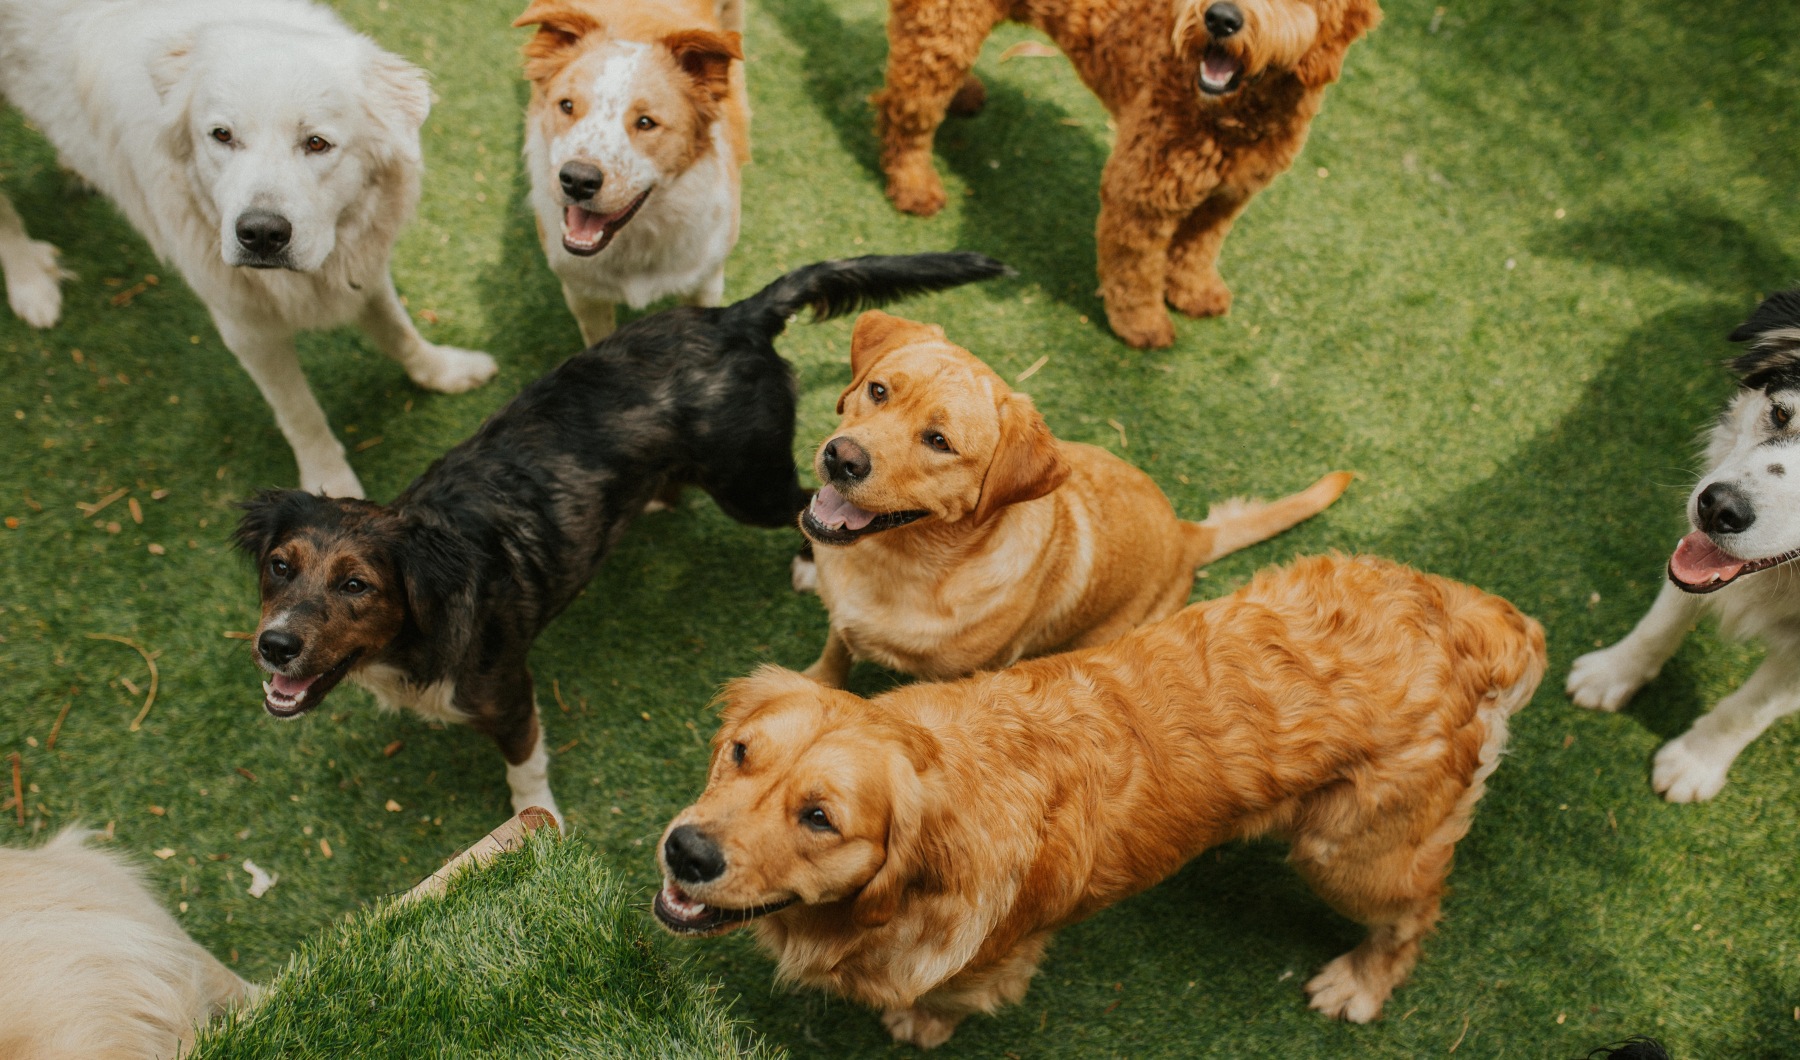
pixel 916 852
pixel 959 535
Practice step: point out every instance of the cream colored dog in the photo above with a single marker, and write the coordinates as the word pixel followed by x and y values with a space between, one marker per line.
pixel 957 534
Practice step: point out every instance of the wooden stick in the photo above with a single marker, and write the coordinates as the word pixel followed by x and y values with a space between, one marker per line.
pixel 148 661
pixel 18 788
pixel 509 836
pixel 50 744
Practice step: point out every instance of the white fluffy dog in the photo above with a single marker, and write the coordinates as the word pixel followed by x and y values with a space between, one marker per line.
pixel 264 149
pixel 1746 515
pixel 93 967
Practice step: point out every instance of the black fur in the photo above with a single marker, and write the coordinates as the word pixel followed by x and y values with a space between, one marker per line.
pixel 501 532
pixel 1771 363
pixel 1633 1048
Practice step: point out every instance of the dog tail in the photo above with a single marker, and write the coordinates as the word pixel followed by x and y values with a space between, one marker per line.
pixel 834 288
pixel 1239 523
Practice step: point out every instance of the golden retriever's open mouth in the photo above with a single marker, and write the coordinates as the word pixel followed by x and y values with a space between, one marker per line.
pixel 682 915
pixel 1700 566
pixel 290 697
pixel 832 520
pixel 586 233
pixel 1220 71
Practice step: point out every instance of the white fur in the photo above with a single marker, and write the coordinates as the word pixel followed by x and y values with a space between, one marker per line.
pixel 1764 606
pixel 530 782
pixel 677 243
pixel 129 92
pixel 93 967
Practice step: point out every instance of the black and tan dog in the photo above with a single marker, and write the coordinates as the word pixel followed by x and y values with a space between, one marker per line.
pixel 432 602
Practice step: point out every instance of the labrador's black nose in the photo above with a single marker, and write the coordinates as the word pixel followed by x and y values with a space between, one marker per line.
pixel 845 461
pixel 580 180
pixel 692 857
pixel 278 646
pixel 263 233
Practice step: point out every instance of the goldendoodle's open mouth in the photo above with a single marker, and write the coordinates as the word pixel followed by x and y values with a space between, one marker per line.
pixel 586 233
pixel 1700 566
pixel 683 915
pixel 290 697
pixel 1220 71
pixel 832 520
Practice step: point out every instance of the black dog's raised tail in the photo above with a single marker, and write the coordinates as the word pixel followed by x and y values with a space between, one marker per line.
pixel 833 288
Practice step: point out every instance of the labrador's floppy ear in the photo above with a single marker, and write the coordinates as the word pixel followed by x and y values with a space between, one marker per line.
pixel 1028 463
pixel 876 335
pixel 561 26
pixel 905 862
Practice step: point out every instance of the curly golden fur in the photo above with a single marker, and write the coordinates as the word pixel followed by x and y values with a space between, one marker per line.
pixel 916 852
pixel 1205 121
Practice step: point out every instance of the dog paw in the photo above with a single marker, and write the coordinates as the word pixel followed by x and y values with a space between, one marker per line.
pixel 915 1026
pixel 914 187
pixel 969 98
pixel 1690 769
pixel 1340 994
pixel 449 370
pixel 33 284
pixel 1605 680
pixel 1146 329
pixel 805 575
pixel 330 479
pixel 1204 297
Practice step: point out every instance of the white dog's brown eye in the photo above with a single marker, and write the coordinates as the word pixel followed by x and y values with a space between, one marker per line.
pixel 737 753
pixel 1780 416
pixel 877 393
pixel 317 145
pixel 646 122
pixel 222 134
pixel 938 441
pixel 815 818
pixel 354 587
pixel 279 568
pixel 567 106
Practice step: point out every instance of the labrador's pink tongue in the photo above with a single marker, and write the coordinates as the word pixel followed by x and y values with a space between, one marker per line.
pixel 1697 561
pixel 830 508
pixel 583 224
pixel 291 686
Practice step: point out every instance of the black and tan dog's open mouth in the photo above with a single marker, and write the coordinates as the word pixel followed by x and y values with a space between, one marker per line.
pixel 684 916
pixel 1700 566
pixel 1220 71
pixel 832 520
pixel 586 233
pixel 289 697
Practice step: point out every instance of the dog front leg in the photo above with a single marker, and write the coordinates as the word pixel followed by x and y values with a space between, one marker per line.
pixel 932 47
pixel 29 268
pixel 446 369
pixel 984 988
pixel 1195 286
pixel 513 724
pixel 833 667
pixel 1133 241
pixel 1692 767
pixel 268 355
pixel 596 317
pixel 1604 680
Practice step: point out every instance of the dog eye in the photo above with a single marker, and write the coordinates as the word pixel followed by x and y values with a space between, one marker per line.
pixel 317 145
pixel 877 393
pixel 567 106
pixel 355 587
pixel 1780 416
pixel 737 753
pixel 646 122
pixel 938 441
pixel 221 134
pixel 815 818
pixel 280 568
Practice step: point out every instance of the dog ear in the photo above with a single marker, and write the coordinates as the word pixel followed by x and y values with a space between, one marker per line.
pixel 168 75
pixel 399 99
pixel 560 28
pixel 1340 23
pixel 435 569
pixel 706 57
pixel 1028 462
pixel 876 335
pixel 269 517
pixel 905 863
pixel 1773 332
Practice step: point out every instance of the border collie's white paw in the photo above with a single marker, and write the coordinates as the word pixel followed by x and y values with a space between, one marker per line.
pixel 1605 680
pixel 449 370
pixel 1688 769
pixel 33 283
pixel 805 575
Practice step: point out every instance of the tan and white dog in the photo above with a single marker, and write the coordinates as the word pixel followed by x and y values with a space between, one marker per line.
pixel 634 137
pixel 262 148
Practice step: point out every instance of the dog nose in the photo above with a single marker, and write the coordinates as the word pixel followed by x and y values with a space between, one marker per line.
pixel 1724 509
pixel 264 233
pixel 845 461
pixel 278 646
pixel 1223 19
pixel 580 181
pixel 692 857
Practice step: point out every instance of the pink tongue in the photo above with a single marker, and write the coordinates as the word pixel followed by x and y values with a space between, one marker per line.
pixel 584 225
pixel 1218 67
pixel 1697 561
pixel 830 508
pixel 291 686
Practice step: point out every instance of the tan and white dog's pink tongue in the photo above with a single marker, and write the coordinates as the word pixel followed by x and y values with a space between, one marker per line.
pixel 291 686
pixel 831 509
pixel 585 226
pixel 1697 561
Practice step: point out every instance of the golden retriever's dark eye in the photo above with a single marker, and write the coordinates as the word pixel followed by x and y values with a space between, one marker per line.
pixel 646 122
pixel 354 587
pixel 877 393
pixel 221 134
pixel 937 441
pixel 1780 416
pixel 317 145
pixel 815 818
pixel 280 568
pixel 567 106
pixel 737 753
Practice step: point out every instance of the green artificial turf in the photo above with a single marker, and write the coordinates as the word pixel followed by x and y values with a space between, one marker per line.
pixel 1495 285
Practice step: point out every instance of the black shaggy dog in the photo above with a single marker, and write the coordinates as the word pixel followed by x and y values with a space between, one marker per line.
pixel 433 602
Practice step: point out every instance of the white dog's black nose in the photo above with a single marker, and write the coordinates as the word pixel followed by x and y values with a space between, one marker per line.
pixel 691 856
pixel 1724 509
pixel 263 233
pixel 580 180
pixel 278 646
pixel 1223 19
pixel 845 461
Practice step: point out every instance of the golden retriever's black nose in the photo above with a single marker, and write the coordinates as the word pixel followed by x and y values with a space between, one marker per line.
pixel 1223 19
pixel 1724 509
pixel 691 857
pixel 278 646
pixel 845 461
pixel 580 180
pixel 263 233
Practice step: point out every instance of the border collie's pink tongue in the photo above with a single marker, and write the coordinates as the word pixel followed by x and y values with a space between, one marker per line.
pixel 1697 561
pixel 831 510
pixel 584 226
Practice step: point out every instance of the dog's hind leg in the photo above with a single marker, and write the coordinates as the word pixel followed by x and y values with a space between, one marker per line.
pixel 446 369
pixel 1604 680
pixel 1692 767
pixel 932 46
pixel 30 271
pixel 269 358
